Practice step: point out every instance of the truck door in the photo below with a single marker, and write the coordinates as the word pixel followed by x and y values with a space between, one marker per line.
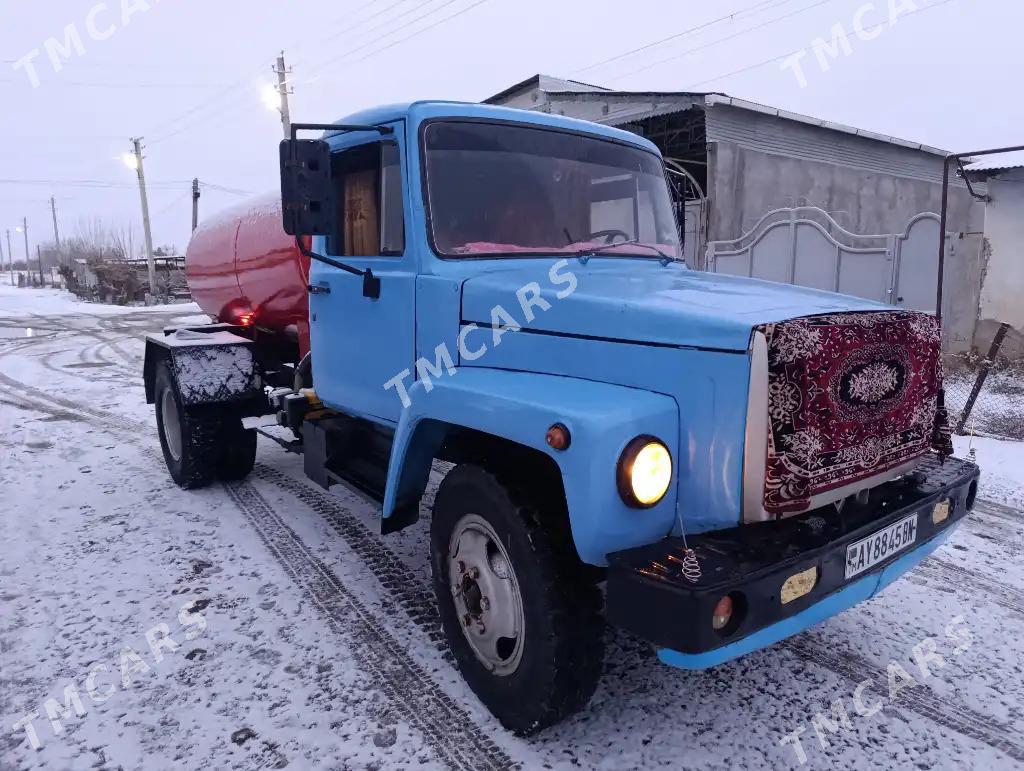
pixel 359 343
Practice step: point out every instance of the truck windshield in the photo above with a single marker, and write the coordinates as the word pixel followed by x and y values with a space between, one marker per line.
pixel 506 190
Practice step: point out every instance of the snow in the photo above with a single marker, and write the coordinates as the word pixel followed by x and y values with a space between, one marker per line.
pixel 55 302
pixel 1010 160
pixel 210 367
pixel 1002 468
pixel 313 653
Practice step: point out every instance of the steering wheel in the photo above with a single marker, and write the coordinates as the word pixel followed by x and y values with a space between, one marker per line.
pixel 610 234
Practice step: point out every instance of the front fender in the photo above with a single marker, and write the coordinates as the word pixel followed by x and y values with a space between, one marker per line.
pixel 520 407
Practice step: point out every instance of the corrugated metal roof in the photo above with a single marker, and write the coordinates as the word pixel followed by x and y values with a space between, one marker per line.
pixel 713 99
pixel 544 83
pixel 999 162
pixel 550 85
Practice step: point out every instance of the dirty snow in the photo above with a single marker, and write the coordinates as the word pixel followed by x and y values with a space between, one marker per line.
pixel 315 651
pixel 210 367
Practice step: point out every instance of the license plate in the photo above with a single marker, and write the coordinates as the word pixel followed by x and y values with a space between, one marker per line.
pixel 879 546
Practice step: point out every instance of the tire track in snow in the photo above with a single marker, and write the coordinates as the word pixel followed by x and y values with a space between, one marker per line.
pixel 447 728
pixel 923 702
pixel 973 583
pixel 419 602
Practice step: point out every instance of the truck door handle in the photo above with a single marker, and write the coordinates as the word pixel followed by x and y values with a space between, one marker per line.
pixel 318 289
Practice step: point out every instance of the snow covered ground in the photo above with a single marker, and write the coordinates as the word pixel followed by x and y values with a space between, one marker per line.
pixel 263 624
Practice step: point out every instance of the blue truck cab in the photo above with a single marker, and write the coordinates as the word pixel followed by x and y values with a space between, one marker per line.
pixel 497 297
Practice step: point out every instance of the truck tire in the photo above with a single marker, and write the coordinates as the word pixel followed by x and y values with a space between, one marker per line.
pixel 237 454
pixel 521 617
pixel 189 441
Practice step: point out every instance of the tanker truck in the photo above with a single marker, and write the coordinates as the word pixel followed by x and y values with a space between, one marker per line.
pixel 713 463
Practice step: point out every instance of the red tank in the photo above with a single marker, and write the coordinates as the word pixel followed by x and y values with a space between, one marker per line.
pixel 244 269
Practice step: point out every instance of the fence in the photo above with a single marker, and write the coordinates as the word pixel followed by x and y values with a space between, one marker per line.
pixel 985 394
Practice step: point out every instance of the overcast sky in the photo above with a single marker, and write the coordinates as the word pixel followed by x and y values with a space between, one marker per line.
pixel 186 75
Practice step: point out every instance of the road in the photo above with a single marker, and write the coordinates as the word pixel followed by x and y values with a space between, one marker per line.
pixel 319 647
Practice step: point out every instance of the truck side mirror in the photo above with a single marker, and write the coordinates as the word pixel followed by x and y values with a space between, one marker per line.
pixel 308 202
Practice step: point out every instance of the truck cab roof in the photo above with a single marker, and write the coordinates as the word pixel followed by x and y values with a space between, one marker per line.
pixel 425 109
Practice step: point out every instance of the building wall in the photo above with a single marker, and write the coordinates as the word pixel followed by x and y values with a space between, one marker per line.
pixel 760 162
pixel 1004 262
pixel 1004 231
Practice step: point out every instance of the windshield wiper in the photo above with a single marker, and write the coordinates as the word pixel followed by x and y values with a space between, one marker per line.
pixel 592 251
pixel 664 258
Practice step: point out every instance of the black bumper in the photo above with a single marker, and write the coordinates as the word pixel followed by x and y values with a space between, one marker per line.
pixel 649 596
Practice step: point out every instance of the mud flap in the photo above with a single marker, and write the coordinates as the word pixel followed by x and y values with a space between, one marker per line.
pixel 208 367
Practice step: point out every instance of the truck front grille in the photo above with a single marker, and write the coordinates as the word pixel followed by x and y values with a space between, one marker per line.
pixel 850 400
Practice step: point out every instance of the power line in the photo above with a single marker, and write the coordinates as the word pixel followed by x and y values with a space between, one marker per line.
pixel 354 29
pixel 414 34
pixel 223 189
pixel 798 50
pixel 713 43
pixel 176 202
pixel 96 84
pixel 350 30
pixel 217 100
pixel 399 28
pixel 689 31
pixel 321 66
pixel 87 183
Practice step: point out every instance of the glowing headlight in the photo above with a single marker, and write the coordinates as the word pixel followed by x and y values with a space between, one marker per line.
pixel 645 472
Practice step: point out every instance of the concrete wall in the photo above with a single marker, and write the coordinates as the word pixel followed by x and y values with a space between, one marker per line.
pixel 745 184
pixel 1003 283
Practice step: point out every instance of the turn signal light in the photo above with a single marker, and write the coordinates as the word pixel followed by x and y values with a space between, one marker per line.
pixel 722 614
pixel 558 437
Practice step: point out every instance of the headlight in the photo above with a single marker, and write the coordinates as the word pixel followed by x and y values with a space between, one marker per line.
pixel 645 472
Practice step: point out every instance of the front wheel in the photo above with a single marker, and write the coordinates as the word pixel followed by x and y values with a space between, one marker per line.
pixel 520 615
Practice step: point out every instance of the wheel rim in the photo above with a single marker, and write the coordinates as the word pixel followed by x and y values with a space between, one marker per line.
pixel 486 595
pixel 171 424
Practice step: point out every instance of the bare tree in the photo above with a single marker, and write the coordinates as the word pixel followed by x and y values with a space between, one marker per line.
pixel 123 238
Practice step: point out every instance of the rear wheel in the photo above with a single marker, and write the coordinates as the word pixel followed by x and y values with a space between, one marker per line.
pixel 189 441
pixel 520 615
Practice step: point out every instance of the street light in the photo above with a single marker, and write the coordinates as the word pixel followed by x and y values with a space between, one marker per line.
pixel 130 161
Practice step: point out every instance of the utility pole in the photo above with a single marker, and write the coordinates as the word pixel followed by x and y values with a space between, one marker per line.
pixel 195 204
pixel 137 145
pixel 283 89
pixel 24 230
pixel 10 256
pixel 56 235
pixel 39 259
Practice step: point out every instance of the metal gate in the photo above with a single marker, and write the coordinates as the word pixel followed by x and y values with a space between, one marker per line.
pixel 691 206
pixel 807 247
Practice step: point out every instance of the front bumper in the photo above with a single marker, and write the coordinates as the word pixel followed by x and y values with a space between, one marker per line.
pixel 649 595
